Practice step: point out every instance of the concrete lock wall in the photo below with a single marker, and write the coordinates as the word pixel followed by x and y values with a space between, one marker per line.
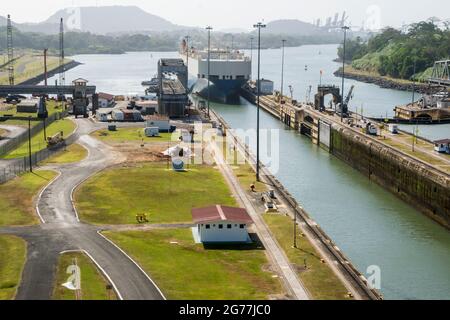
pixel 422 186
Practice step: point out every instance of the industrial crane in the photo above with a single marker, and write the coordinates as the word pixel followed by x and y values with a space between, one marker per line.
pixel 343 107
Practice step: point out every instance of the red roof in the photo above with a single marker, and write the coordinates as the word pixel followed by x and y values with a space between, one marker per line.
pixel 220 213
pixel 105 96
pixel 444 141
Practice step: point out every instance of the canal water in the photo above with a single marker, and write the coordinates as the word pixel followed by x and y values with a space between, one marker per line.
pixel 369 224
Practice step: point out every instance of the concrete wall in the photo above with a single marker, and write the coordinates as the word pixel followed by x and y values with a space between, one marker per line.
pixel 418 184
pixel 214 234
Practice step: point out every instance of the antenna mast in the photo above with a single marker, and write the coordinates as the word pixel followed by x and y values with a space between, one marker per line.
pixel 62 73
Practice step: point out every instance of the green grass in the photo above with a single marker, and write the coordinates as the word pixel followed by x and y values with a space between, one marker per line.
pixel 116 195
pixel 29 65
pixel 52 107
pixel 38 143
pixel 12 260
pixel 17 197
pixel 320 280
pixel 123 135
pixel 71 154
pixel 185 270
pixel 93 283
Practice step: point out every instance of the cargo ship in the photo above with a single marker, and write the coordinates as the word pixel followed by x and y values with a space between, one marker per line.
pixel 229 71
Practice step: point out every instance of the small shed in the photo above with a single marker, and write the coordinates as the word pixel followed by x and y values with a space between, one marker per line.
pixel 28 106
pixel 102 114
pixel 442 146
pixel 159 121
pixel 221 224
pixel 105 100
pixel 267 86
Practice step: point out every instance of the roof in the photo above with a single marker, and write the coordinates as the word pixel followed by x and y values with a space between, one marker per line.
pixel 444 141
pixel 80 80
pixel 106 96
pixel 220 213
pixel 157 117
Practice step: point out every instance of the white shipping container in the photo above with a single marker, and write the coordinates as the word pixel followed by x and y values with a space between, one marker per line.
pixel 163 125
pixel 117 115
pixel 152 132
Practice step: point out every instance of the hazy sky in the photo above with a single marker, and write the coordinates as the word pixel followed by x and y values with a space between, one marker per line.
pixel 243 13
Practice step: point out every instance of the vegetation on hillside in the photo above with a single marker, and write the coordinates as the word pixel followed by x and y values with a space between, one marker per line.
pixel 398 54
pixel 89 43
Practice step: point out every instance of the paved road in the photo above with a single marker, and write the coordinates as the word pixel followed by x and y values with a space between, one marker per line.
pixel 62 231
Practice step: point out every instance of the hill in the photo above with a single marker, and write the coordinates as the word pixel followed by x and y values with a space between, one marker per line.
pixel 100 20
pixel 292 27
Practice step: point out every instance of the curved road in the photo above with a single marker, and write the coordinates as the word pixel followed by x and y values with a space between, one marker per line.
pixel 61 231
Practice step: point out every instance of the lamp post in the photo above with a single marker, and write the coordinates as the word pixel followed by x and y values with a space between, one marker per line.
pixel 282 69
pixel 209 28
pixel 29 144
pixel 251 53
pixel 259 26
pixel 345 28
pixel 414 83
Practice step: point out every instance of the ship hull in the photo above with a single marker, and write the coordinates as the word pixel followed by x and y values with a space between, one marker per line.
pixel 222 91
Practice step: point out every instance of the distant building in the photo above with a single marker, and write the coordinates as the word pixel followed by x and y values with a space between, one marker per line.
pixel 220 224
pixel 28 106
pixel 267 87
pixel 105 100
pixel 158 121
pixel 442 146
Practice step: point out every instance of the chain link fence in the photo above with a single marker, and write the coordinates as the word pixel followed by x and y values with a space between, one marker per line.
pixel 14 143
pixel 9 169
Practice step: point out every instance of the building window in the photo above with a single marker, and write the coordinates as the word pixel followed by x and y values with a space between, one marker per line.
pixel 203 76
pixel 242 226
pixel 229 226
pixel 208 226
pixel 220 226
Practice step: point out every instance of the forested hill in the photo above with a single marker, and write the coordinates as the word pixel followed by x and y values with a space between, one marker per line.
pixel 394 53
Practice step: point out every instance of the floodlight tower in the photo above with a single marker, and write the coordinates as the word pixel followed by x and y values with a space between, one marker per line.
pixel 10 48
pixel 62 73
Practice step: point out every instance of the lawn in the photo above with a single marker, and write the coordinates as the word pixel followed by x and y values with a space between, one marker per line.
pixel 30 63
pixel 117 195
pixel 320 280
pixel 38 142
pixel 123 135
pixel 52 107
pixel 71 154
pixel 12 260
pixel 93 283
pixel 17 197
pixel 185 270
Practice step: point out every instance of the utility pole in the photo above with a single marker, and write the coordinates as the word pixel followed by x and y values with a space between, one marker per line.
pixel 295 229
pixel 209 28
pixel 29 144
pixel 62 72
pixel 345 28
pixel 45 66
pixel 414 83
pixel 10 49
pixel 259 26
pixel 282 69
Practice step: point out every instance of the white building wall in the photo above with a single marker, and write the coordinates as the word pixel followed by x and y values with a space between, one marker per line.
pixel 220 68
pixel 215 234
pixel 163 125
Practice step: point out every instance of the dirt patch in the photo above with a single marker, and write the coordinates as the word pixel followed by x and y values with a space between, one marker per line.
pixel 136 153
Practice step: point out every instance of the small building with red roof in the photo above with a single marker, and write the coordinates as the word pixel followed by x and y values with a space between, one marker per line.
pixel 221 224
